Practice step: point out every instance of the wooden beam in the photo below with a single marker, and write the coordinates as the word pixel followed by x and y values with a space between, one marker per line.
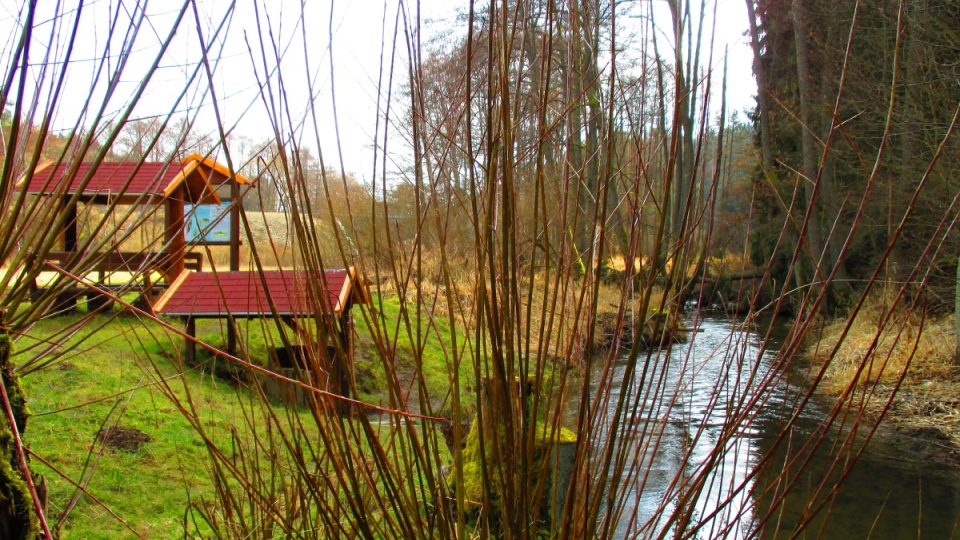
pixel 343 363
pixel 234 227
pixel 69 226
pixel 234 251
pixel 67 301
pixel 190 355
pixel 174 240
pixel 231 335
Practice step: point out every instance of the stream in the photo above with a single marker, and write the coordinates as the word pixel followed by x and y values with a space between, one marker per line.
pixel 883 496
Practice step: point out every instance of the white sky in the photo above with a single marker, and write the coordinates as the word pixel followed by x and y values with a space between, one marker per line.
pixel 356 28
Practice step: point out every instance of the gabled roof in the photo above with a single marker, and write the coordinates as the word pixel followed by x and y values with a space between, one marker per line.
pixel 246 294
pixel 130 178
pixel 135 179
pixel 211 172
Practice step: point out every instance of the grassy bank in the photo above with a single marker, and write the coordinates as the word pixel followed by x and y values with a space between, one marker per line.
pixel 873 359
pixel 113 381
pixel 120 371
pixel 126 373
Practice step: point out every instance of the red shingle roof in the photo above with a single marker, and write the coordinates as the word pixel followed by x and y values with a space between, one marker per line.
pixel 242 294
pixel 108 179
pixel 132 179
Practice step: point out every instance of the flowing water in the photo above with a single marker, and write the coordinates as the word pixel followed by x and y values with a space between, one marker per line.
pixel 697 388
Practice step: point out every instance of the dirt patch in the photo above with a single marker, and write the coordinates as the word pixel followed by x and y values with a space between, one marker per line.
pixel 123 438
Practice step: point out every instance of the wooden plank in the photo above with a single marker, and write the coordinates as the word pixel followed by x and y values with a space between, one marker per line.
pixel 113 261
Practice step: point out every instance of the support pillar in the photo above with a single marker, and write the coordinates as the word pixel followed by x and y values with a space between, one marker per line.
pixel 231 336
pixel 174 240
pixel 67 301
pixel 234 255
pixel 69 227
pixel 343 363
pixel 190 354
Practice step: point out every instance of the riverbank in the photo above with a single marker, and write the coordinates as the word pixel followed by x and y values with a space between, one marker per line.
pixel 105 404
pixel 905 371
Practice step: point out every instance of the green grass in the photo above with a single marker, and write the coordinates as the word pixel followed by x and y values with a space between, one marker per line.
pixel 111 376
pixel 148 487
pixel 436 359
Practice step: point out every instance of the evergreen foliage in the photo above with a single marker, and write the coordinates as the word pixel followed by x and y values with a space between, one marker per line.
pixel 866 167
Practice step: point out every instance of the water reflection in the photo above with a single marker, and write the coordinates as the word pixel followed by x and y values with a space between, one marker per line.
pixel 704 439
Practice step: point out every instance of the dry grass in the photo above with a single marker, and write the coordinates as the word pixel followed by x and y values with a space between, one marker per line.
pixel 874 355
pixel 924 413
pixel 566 308
pixel 727 264
pixel 272 232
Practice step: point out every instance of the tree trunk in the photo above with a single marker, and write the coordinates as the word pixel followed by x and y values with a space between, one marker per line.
pixel 683 122
pixel 17 519
pixel 594 118
pixel 829 201
pixel 763 110
pixel 587 114
pixel 809 166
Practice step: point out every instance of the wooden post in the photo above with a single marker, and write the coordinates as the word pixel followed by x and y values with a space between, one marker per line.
pixel 342 364
pixel 190 355
pixel 231 336
pixel 174 235
pixel 69 227
pixel 67 301
pixel 234 226
pixel 234 255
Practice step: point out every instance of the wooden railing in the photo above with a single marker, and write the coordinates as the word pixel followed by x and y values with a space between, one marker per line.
pixel 120 261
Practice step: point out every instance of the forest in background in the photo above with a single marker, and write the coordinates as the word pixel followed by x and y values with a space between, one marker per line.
pixel 855 117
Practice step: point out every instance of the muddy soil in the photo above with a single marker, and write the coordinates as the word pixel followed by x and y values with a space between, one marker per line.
pixel 123 438
pixel 922 423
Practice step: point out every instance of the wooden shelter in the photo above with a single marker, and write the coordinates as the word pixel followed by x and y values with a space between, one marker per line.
pixel 195 180
pixel 288 294
pixel 190 293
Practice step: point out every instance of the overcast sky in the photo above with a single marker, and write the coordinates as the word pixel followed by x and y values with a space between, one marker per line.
pixel 357 28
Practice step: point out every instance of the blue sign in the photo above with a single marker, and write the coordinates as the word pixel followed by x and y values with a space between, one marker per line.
pixel 207 223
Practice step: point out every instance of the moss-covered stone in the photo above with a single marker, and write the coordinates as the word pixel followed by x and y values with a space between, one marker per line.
pixel 546 436
pixel 472 465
